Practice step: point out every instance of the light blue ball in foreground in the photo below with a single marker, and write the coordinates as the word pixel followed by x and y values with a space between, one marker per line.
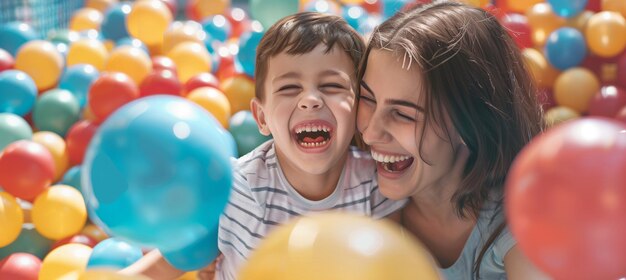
pixel 113 253
pixel 157 173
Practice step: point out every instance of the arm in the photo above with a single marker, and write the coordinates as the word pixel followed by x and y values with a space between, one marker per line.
pixel 518 266
pixel 154 266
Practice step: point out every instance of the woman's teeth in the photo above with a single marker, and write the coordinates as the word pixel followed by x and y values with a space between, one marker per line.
pixel 387 158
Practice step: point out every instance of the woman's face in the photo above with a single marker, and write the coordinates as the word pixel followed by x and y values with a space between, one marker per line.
pixel 391 118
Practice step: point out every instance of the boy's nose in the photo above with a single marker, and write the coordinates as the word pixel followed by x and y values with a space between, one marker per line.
pixel 311 101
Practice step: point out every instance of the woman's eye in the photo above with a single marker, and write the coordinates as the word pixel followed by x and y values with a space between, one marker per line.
pixel 404 116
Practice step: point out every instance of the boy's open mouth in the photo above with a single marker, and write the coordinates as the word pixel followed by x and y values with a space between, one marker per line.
pixel 313 135
pixel 392 163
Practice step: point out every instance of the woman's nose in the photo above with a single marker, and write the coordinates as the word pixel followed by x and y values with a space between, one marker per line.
pixel 373 130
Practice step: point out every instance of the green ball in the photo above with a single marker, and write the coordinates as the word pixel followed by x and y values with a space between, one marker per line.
pixel 29 241
pixel 245 131
pixel 267 12
pixel 56 110
pixel 13 128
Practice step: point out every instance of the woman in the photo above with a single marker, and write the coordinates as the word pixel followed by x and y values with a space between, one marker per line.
pixel 445 105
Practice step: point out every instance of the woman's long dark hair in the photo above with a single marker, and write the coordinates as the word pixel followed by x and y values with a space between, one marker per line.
pixel 473 73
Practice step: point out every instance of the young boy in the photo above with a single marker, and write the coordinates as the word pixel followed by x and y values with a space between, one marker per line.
pixel 305 98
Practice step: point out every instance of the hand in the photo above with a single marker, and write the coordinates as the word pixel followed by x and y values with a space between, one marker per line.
pixel 208 272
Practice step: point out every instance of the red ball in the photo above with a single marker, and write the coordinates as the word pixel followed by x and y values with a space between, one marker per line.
pixel 518 28
pixel 607 102
pixel 594 5
pixel 372 6
pixel 160 82
pixel 566 200
pixel 78 238
pixel 204 79
pixel 109 92
pixel 545 97
pixel 172 5
pixel 77 140
pixel 621 115
pixel 20 266
pixel 6 60
pixel 239 21
pixel 160 62
pixel 621 70
pixel 26 169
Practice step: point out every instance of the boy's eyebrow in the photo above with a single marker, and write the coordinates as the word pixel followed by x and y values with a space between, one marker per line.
pixel 288 75
pixel 332 72
pixel 398 102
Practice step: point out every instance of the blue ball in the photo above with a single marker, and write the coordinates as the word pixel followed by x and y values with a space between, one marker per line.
pixel 15 34
pixel 391 7
pixel 245 59
pixel 113 253
pixel 217 27
pixel 72 178
pixel 157 173
pixel 567 8
pixel 77 79
pixel 113 25
pixel 18 92
pixel 195 255
pixel 566 48
pixel 245 131
pixel 355 15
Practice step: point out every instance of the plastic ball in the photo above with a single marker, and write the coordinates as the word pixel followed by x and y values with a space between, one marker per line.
pixel 78 138
pixel 132 61
pixel 575 88
pixel 239 21
pixel 207 8
pixel 78 238
pixel 160 82
pixel 214 101
pixel 606 34
pixel 160 62
pixel 59 212
pixel 18 92
pixel 102 102
pixel 13 128
pixel 543 22
pixel 346 246
pixel 355 15
pixel 567 8
pixel 201 80
pixel 191 59
pixel 56 110
pixel 57 148
pixel 20 266
pixel 113 253
pixel 559 114
pixel 607 102
pixel 11 219
pixel 179 32
pixel 217 27
pixel 78 79
pixel 618 6
pixel 15 34
pixel 72 178
pixel 65 262
pixel 42 62
pixel 85 19
pixel 6 60
pixel 94 232
pixel 245 131
pixel 27 169
pixel 239 90
pixel 565 206
pixel 113 25
pixel 566 48
pixel 107 274
pixel 29 241
pixel 246 57
pixel 132 42
pixel 87 51
pixel 139 180
pixel 148 20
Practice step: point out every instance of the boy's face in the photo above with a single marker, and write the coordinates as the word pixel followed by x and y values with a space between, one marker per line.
pixel 309 108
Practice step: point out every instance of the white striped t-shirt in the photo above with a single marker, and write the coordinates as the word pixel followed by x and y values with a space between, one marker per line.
pixel 261 199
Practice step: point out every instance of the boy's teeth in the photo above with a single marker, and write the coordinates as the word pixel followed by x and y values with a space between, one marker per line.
pixel 312 128
pixel 314 144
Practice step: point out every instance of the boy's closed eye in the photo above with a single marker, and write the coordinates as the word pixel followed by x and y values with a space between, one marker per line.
pixel 289 88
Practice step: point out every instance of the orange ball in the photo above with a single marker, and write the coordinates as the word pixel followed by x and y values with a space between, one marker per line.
pixel 543 21
pixel 100 5
pixel 214 101
pixel 87 51
pixel 543 72
pixel 575 88
pixel 614 6
pixel 131 61
pixel 520 6
pixel 580 21
pixel 148 20
pixel 85 19
pixel 239 90
pixel 606 34
pixel 57 148
pixel 191 58
pixel 207 8
pixel 42 62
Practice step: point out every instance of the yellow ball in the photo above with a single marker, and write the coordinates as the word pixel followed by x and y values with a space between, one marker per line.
pixel 57 147
pixel 207 8
pixel 614 6
pixel 87 51
pixel 575 88
pixel 105 274
pixel 239 90
pixel 178 32
pixel 42 62
pixel 475 3
pixel 100 5
pixel 559 114
pixel 521 6
pixel 85 19
pixel 59 212
pixel 542 71
pixel 66 262
pixel 131 61
pixel 542 21
pixel 11 219
pixel 148 20
pixel 191 59
pixel 214 101
pixel 333 246
pixel 580 21
pixel 606 34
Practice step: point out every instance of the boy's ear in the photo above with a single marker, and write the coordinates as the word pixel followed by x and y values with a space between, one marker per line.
pixel 259 116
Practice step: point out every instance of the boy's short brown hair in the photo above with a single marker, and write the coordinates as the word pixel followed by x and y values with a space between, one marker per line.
pixel 299 34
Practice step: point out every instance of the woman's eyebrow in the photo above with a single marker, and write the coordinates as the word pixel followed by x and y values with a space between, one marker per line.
pixel 398 102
